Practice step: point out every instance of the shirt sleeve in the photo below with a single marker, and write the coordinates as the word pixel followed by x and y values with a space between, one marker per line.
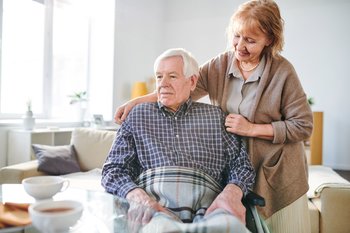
pixel 121 167
pixel 240 171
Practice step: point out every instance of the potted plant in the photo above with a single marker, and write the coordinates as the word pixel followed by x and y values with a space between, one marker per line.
pixel 311 101
pixel 79 99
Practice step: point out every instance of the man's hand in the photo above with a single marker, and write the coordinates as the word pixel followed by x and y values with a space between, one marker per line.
pixel 139 197
pixel 230 199
pixel 142 208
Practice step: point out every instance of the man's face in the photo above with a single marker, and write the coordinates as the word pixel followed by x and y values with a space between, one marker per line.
pixel 173 88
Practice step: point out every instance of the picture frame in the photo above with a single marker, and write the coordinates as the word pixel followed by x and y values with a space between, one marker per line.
pixel 98 120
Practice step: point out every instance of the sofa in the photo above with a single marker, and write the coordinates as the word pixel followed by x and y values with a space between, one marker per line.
pixel 329 194
pixel 91 149
pixel 329 201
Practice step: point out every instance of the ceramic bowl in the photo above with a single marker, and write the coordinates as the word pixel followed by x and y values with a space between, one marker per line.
pixel 44 187
pixel 55 216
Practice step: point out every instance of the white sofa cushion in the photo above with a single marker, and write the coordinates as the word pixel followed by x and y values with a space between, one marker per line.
pixel 321 177
pixel 90 180
pixel 92 146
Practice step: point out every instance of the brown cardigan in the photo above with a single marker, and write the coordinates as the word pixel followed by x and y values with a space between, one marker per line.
pixel 280 164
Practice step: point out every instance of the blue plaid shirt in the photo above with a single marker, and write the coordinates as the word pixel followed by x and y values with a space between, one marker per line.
pixel 193 137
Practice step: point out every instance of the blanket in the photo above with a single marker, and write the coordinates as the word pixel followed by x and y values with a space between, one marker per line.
pixel 187 193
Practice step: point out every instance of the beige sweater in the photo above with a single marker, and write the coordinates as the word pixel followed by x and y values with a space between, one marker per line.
pixel 280 100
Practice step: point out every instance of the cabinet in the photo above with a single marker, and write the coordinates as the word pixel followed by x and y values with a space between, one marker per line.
pixel 314 145
pixel 19 148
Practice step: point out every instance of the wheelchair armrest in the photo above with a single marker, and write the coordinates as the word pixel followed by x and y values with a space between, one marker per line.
pixel 254 199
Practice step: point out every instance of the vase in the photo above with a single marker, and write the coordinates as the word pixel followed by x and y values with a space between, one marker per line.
pixel 28 121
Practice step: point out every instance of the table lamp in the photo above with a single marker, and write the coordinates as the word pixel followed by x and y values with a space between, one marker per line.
pixel 138 89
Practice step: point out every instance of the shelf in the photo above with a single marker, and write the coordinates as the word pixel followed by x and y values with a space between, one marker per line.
pixel 20 142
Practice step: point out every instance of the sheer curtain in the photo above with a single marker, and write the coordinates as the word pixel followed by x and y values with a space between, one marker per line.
pixel 52 49
pixel 83 45
pixel 21 76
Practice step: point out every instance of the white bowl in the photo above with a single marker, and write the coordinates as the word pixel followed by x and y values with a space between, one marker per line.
pixel 44 187
pixel 55 216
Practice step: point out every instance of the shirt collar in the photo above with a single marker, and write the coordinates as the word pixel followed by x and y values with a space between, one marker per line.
pixel 182 110
pixel 235 72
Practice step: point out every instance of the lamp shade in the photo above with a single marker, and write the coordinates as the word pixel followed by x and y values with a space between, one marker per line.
pixel 138 89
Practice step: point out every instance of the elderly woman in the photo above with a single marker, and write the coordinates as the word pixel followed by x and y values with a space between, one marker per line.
pixel 266 103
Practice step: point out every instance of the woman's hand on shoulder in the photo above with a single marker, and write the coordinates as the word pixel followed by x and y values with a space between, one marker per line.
pixel 122 112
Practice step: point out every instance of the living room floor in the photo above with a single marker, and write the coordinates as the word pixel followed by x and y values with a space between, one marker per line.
pixel 344 174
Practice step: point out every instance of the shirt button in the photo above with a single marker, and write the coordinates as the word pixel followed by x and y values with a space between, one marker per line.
pixel 177 136
pixel 175 118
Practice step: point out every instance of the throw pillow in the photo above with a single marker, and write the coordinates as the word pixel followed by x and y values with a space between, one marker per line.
pixel 56 160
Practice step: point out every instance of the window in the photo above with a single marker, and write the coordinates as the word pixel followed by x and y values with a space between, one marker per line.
pixel 21 56
pixel 51 49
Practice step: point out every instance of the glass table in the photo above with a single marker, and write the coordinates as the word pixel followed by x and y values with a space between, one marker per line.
pixel 103 212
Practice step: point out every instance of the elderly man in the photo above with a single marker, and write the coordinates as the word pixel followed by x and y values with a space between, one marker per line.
pixel 175 155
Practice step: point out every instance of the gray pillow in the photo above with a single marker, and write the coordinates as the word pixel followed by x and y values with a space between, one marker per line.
pixel 56 160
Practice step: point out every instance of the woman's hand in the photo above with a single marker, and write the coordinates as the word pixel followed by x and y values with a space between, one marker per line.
pixel 122 112
pixel 237 124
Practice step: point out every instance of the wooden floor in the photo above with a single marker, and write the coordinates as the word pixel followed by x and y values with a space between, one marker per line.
pixel 344 174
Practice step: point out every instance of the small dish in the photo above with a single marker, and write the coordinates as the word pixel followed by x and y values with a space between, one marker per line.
pixel 55 216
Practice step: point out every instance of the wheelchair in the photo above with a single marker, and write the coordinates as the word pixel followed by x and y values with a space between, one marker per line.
pixel 254 223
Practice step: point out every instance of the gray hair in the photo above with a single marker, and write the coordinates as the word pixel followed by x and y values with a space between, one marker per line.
pixel 190 65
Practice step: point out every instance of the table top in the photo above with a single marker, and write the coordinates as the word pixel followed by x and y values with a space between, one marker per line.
pixel 103 212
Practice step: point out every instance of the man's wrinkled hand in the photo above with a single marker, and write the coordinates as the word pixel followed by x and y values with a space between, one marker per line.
pixel 142 208
pixel 230 200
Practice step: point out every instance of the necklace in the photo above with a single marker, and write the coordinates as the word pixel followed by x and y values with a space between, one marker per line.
pixel 248 70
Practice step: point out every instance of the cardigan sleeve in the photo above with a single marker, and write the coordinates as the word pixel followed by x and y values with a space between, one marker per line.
pixel 296 120
pixel 213 78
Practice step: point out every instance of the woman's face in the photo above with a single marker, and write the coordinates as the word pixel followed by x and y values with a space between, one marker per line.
pixel 249 44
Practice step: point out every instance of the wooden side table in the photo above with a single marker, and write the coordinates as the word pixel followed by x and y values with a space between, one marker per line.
pixel 316 139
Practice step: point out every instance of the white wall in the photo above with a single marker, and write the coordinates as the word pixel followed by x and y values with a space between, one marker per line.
pixel 317 43
pixel 139 26
pixel 199 26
